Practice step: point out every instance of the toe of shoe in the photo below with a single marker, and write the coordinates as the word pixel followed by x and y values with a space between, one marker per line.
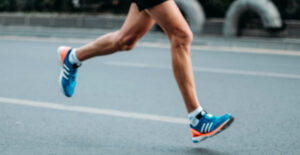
pixel 227 116
pixel 68 93
pixel 67 90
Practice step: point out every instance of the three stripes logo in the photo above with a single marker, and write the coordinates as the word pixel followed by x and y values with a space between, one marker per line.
pixel 206 127
pixel 66 72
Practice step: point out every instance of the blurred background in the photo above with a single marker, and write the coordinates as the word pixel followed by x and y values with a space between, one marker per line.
pixel 266 18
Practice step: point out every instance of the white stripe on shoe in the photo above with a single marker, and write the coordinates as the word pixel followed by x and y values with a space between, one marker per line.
pixel 203 125
pixel 65 76
pixel 66 72
pixel 66 67
pixel 209 129
pixel 206 128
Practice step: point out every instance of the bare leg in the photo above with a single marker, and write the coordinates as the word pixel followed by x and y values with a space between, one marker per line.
pixel 136 25
pixel 169 17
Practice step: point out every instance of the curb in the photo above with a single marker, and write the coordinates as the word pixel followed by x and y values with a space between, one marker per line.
pixel 154 37
pixel 108 21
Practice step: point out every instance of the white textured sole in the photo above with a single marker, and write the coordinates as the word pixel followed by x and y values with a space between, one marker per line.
pixel 199 139
pixel 202 138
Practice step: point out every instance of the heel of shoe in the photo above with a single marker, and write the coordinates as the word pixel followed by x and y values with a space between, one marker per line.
pixel 61 53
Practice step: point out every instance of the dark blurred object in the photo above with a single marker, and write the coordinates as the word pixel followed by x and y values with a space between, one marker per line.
pixel 215 8
pixel 8 5
pixel 114 6
pixel 36 5
pixel 289 9
pixel 252 25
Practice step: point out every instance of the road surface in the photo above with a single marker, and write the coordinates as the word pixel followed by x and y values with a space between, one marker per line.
pixel 129 103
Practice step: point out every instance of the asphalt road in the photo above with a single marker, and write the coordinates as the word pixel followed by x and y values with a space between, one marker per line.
pixel 106 115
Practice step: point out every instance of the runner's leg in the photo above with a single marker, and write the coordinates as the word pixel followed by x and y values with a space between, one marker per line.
pixel 169 17
pixel 136 25
pixel 203 125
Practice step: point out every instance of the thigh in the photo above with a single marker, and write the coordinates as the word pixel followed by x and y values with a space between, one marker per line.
pixel 137 22
pixel 169 17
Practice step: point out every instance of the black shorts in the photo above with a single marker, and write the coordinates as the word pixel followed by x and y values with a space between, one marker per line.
pixel 146 4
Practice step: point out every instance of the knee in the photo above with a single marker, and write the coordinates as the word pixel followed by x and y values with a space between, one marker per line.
pixel 181 37
pixel 126 42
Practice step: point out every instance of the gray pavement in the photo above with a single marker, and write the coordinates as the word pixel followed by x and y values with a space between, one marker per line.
pixel 260 90
pixel 202 40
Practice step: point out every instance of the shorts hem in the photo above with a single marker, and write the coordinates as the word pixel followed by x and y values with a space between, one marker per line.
pixel 147 4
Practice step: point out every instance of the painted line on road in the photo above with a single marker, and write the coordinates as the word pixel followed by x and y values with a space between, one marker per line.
pixel 207 70
pixel 90 110
pixel 201 48
pixel 227 49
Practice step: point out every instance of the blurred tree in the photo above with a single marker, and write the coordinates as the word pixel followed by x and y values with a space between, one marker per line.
pixel 121 6
pixel 215 8
pixel 7 5
pixel 289 9
pixel 48 5
pixel 33 5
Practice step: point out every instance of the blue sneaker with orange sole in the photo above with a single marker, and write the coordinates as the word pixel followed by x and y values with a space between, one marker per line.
pixel 67 78
pixel 208 125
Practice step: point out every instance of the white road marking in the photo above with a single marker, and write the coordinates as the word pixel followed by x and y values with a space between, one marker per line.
pixel 227 49
pixel 207 70
pixel 201 48
pixel 91 110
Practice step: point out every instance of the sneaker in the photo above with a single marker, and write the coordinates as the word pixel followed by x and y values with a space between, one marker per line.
pixel 67 78
pixel 209 125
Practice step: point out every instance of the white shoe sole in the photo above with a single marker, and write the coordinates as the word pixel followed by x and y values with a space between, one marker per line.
pixel 202 138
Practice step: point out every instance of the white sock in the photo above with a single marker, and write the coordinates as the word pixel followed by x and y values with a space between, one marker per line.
pixel 73 58
pixel 192 116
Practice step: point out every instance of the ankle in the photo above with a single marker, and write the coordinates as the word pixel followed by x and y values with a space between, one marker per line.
pixel 73 58
pixel 194 116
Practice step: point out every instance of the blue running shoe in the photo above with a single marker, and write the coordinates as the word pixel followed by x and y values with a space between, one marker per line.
pixel 67 78
pixel 208 125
